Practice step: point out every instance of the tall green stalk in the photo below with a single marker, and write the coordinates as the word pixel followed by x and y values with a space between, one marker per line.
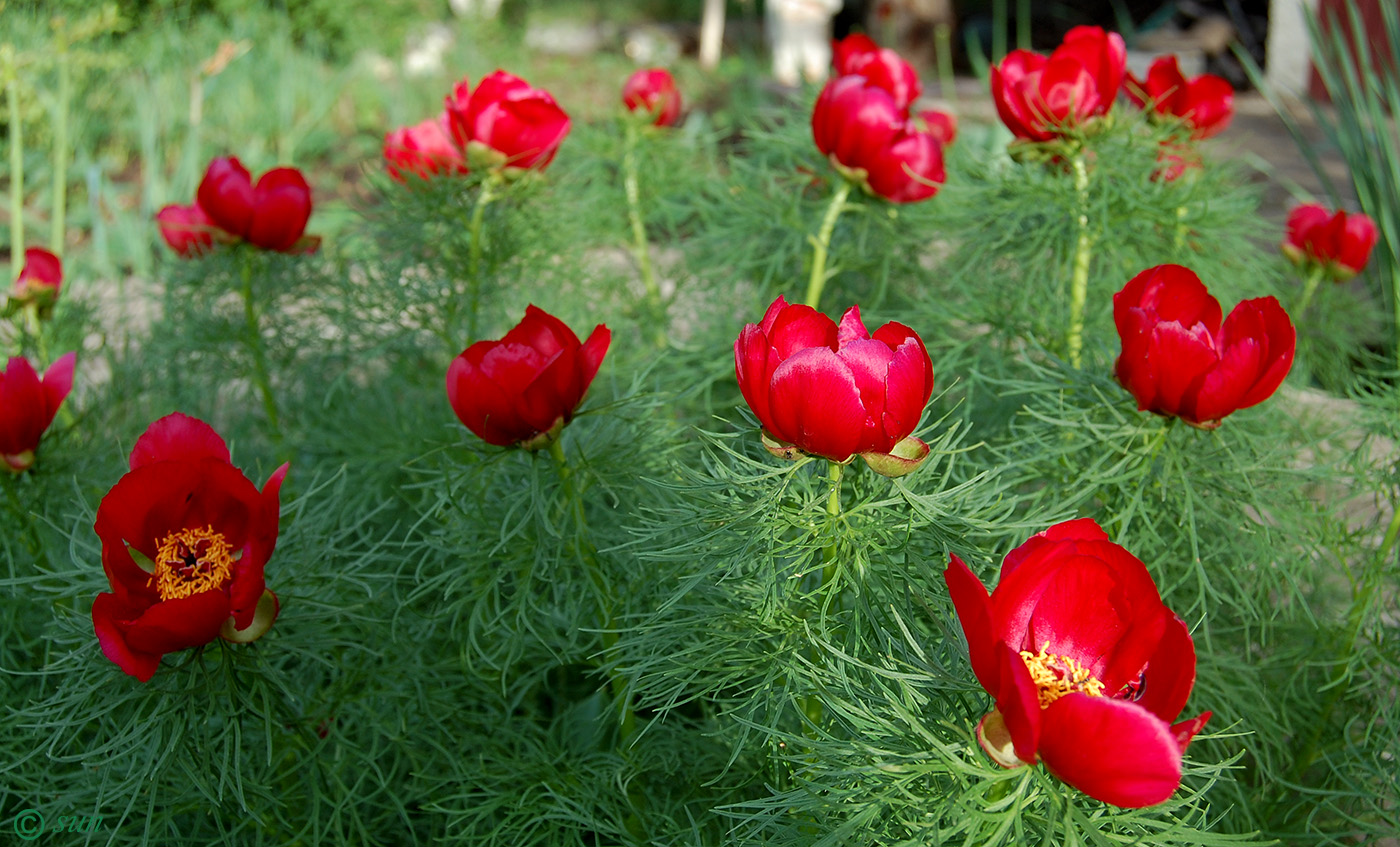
pixel 822 243
pixel 488 193
pixel 255 346
pixel 640 248
pixel 60 147
pixel 1309 289
pixel 1079 273
pixel 11 71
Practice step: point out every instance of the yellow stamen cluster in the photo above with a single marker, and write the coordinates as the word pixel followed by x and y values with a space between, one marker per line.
pixel 190 561
pixel 1055 676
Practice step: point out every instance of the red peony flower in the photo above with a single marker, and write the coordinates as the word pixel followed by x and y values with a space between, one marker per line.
pixel 1179 359
pixel 506 124
pixel 1205 103
pixel 1087 665
pixel 1040 98
pixel 187 230
pixel 28 406
pixel 271 215
pixel 873 142
pixel 1340 244
pixel 653 92
pixel 859 55
pixel 835 391
pixel 185 536
pixel 523 389
pixel 423 149
pixel 39 280
pixel 943 126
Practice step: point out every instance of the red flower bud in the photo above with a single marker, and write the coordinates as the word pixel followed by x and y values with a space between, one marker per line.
pixel 1088 666
pixel 1040 98
pixel 271 215
pixel 1339 243
pixel 185 536
pixel 832 391
pixel 523 389
pixel 28 406
pixel 40 279
pixel 872 141
pixel 859 55
pixel 1179 359
pixel 506 124
pixel 423 149
pixel 653 92
pixel 187 230
pixel 1205 104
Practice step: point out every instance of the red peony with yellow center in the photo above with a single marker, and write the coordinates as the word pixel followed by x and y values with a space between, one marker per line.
pixel 185 536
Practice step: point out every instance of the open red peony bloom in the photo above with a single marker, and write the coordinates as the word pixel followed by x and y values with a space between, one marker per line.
pixel 187 230
pixel 874 143
pixel 523 389
pixel 859 55
pixel 39 280
pixel 1088 667
pixel 653 92
pixel 423 149
pixel 28 406
pixel 1179 359
pixel 836 391
pixel 506 124
pixel 1040 98
pixel 1340 244
pixel 271 215
pixel 185 536
pixel 1205 103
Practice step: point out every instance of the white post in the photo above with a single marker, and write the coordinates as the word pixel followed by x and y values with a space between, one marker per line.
pixel 1288 58
pixel 711 33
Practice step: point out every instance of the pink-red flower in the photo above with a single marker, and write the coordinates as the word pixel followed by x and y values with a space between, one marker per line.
pixel 835 391
pixel 859 55
pixel 39 280
pixel 1179 359
pixel 271 215
pixel 187 230
pixel 1087 665
pixel 1337 243
pixel 506 124
pixel 185 537
pixel 875 143
pixel 1204 104
pixel 28 406
pixel 653 92
pixel 1041 98
pixel 523 389
pixel 423 149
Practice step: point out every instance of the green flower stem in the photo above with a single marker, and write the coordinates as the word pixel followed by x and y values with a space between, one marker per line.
pixel 1365 595
pixel 11 71
pixel 488 193
pixel 822 243
pixel 634 211
pixel 35 327
pixel 627 719
pixel 60 147
pixel 255 346
pixel 833 511
pixel 1309 289
pixel 1079 278
pixel 1179 243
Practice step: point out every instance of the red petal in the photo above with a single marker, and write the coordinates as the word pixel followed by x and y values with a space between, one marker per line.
pixel 1036 547
pixel 1171 672
pixel 974 608
pixel 1018 700
pixel 58 381
pixel 282 206
pixel 226 195
pixel 816 404
pixel 590 356
pixel 178 437
pixel 542 331
pixel 1186 730
pixel 481 404
pixel 179 624
pixel 869 362
pixel 109 617
pixel 799 327
pixel 1112 750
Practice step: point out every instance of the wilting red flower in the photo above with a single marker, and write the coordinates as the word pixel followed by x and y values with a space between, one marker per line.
pixel 187 230
pixel 28 406
pixel 271 215
pixel 506 124
pixel 1087 665
pixel 523 389
pixel 859 55
pixel 943 126
pixel 1179 359
pixel 835 391
pixel 185 536
pixel 1174 159
pixel 423 149
pixel 39 280
pixel 653 92
pixel 1339 243
pixel 1205 103
pixel 874 143
pixel 1042 97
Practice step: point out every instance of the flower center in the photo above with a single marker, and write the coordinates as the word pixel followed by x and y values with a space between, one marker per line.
pixel 190 561
pixel 1055 676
